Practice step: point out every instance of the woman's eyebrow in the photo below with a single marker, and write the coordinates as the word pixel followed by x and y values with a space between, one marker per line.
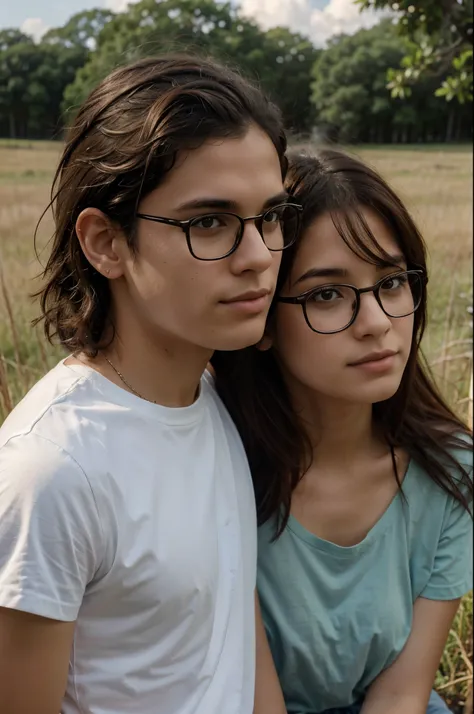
pixel 393 261
pixel 323 273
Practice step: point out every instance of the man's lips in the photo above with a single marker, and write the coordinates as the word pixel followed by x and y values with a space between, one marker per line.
pixel 253 302
pixel 248 296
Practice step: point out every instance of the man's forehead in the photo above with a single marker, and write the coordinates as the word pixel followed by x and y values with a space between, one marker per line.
pixel 253 146
pixel 229 177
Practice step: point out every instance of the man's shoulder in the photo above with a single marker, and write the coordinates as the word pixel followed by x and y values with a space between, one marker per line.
pixel 47 409
pixel 44 447
pixel 209 385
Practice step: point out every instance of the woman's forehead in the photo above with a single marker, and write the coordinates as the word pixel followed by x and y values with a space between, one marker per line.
pixel 322 240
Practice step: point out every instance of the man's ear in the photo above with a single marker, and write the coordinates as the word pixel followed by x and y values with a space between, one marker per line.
pixel 99 242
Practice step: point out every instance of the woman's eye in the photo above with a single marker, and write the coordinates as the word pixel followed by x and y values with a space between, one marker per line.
pixel 272 217
pixel 326 295
pixel 395 282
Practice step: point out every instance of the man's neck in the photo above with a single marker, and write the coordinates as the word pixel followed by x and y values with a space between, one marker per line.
pixel 154 367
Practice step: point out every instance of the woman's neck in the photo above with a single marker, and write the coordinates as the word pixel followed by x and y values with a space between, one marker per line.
pixel 339 431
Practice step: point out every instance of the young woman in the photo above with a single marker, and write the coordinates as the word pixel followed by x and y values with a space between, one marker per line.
pixel 362 472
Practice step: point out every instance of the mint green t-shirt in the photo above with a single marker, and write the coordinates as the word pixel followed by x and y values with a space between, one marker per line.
pixel 337 616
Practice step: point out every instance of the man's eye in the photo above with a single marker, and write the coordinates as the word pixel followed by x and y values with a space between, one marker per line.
pixel 208 222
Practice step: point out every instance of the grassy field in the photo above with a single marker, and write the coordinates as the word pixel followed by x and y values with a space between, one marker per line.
pixel 436 185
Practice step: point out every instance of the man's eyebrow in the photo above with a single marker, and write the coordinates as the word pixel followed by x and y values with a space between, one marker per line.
pixel 393 261
pixel 223 204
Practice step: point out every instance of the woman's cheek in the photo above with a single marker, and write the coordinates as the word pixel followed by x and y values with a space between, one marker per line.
pixel 311 358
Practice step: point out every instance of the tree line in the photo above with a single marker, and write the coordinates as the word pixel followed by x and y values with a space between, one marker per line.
pixel 340 92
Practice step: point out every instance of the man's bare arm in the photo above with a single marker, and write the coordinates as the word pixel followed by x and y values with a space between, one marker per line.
pixel 34 661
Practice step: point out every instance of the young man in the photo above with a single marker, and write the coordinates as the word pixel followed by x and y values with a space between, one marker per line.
pixel 127 520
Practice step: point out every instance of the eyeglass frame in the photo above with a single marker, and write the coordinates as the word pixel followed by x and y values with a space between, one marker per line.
pixel 258 219
pixel 375 289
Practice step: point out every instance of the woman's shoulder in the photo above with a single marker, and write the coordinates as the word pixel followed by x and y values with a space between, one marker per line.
pixel 453 469
pixel 454 453
pixel 460 456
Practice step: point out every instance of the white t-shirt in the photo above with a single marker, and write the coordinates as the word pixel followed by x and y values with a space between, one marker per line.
pixel 138 521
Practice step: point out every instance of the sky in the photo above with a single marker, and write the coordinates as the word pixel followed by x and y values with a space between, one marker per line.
pixel 318 19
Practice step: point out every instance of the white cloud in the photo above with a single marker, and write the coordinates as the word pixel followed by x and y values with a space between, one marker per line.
pixel 35 27
pixel 118 5
pixel 339 16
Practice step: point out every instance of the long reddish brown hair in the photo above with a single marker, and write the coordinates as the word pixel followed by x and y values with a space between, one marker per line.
pixel 416 418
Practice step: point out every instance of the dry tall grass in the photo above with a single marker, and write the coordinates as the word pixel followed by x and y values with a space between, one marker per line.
pixel 437 186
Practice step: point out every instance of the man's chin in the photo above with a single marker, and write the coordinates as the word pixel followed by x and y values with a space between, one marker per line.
pixel 239 338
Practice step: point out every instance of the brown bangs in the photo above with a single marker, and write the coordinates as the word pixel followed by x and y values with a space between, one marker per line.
pixel 354 230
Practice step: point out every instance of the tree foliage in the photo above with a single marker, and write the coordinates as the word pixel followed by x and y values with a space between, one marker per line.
pixel 81 30
pixel 341 88
pixel 33 77
pixel 32 82
pixel 441 36
pixel 279 59
pixel 352 101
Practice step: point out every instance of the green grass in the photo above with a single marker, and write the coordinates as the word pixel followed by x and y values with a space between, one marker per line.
pixel 454 678
pixel 423 148
pixel 26 176
pixel 28 144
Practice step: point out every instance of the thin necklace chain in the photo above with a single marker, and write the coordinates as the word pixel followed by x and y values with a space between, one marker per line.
pixel 120 375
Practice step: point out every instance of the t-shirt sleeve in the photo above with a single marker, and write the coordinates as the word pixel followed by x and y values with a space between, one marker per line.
pixel 452 575
pixel 51 539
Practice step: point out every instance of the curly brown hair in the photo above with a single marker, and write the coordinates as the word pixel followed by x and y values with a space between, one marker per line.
pixel 123 142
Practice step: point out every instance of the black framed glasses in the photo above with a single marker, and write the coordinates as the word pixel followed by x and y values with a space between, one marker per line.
pixel 333 308
pixel 215 236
